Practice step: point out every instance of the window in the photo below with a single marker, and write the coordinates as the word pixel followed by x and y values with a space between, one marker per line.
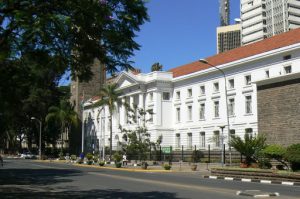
pixel 217 138
pixel 231 83
pixel 151 97
pixel 202 111
pixel 178 114
pixel 248 104
pixel 287 57
pixel 190 141
pixel 190 113
pixel 216 108
pixel 267 73
pixel 177 141
pixel 202 139
pixel 248 79
pixel 166 96
pixel 232 133
pixel 231 107
pixel 249 131
pixel 287 69
pixel 202 90
pixel 190 92
pixel 216 86
pixel 178 95
pixel 150 115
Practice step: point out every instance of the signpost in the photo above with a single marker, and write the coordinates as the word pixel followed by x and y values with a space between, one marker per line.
pixel 166 150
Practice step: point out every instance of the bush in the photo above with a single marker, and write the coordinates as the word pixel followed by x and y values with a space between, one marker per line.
pixel 118 164
pixel 73 157
pixel 117 157
pixel 292 155
pixel 274 151
pixel 89 156
pixel 196 156
pixel 101 163
pixel 167 166
pixel 61 156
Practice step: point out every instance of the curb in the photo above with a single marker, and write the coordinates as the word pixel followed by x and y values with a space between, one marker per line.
pixel 254 180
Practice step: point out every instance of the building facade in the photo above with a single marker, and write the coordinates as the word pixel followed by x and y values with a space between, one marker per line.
pixel 189 102
pixel 228 37
pixel 224 11
pixel 265 18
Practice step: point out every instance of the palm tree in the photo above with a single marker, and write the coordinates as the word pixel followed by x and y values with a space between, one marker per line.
pixel 110 98
pixel 249 147
pixel 156 67
pixel 64 114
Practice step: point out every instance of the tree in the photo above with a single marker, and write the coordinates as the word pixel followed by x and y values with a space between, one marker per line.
pixel 249 147
pixel 110 98
pixel 74 32
pixel 292 155
pixel 64 114
pixel 156 67
pixel 138 138
pixel 276 152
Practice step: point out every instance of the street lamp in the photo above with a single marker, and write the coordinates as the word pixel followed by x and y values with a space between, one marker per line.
pixel 40 140
pixel 222 145
pixel 204 61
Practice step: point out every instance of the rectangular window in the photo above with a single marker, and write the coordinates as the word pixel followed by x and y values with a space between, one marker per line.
pixel 248 104
pixel 267 73
pixel 178 114
pixel 150 111
pixel 249 131
pixel 166 96
pixel 287 57
pixel 216 108
pixel 190 141
pixel 177 141
pixel 202 90
pixel 216 86
pixel 217 138
pixel 248 80
pixel 202 139
pixel 190 92
pixel 190 113
pixel 231 105
pixel 202 111
pixel 232 133
pixel 178 95
pixel 287 69
pixel 231 83
pixel 150 97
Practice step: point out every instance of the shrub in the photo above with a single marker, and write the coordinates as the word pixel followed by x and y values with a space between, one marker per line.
pixel 196 156
pixel 61 156
pixel 292 155
pixel 117 157
pixel 89 156
pixel 73 157
pixel 276 152
pixel 101 163
pixel 167 166
pixel 118 164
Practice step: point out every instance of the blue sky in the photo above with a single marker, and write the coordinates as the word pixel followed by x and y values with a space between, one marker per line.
pixel 179 32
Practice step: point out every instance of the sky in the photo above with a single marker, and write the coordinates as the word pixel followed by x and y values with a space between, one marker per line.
pixel 179 32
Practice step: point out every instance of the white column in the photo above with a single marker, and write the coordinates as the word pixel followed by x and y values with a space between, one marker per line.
pixel 157 109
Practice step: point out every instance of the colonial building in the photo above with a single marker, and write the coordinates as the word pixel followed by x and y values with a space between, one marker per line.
pixel 189 102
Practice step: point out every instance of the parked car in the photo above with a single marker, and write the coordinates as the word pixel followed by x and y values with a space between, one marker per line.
pixel 28 155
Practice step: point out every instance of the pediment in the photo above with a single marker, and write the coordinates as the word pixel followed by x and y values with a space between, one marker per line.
pixel 126 80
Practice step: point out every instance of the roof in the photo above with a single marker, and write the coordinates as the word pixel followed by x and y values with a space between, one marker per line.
pixel 272 43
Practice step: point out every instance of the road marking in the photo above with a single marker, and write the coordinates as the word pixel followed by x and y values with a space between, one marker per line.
pixel 213 177
pixel 246 180
pixel 287 183
pixel 228 178
pixel 266 181
pixel 169 184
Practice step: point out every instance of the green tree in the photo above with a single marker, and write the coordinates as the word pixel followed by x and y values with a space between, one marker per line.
pixel 156 67
pixel 110 98
pixel 250 146
pixel 276 152
pixel 64 114
pixel 73 31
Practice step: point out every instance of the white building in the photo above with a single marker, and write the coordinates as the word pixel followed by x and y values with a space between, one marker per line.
pixel 189 101
pixel 266 18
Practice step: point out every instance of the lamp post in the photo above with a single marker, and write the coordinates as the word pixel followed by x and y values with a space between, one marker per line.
pixel 226 99
pixel 40 140
pixel 222 143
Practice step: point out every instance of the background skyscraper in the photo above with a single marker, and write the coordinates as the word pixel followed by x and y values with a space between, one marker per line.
pixel 224 12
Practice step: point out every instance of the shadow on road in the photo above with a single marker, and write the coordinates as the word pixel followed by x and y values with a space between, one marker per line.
pixel 105 194
pixel 35 177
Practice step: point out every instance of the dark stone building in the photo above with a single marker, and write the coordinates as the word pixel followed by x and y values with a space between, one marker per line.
pixel 278 106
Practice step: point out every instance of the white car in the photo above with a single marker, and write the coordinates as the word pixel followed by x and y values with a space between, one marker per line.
pixel 28 155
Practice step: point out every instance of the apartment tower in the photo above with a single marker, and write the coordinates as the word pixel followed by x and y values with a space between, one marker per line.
pixel 265 18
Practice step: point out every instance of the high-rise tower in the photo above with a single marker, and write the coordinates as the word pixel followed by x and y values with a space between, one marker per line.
pixel 224 12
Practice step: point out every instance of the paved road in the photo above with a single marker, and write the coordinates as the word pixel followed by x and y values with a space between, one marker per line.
pixel 28 179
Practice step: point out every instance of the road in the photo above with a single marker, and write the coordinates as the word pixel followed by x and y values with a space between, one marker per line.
pixel 30 179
